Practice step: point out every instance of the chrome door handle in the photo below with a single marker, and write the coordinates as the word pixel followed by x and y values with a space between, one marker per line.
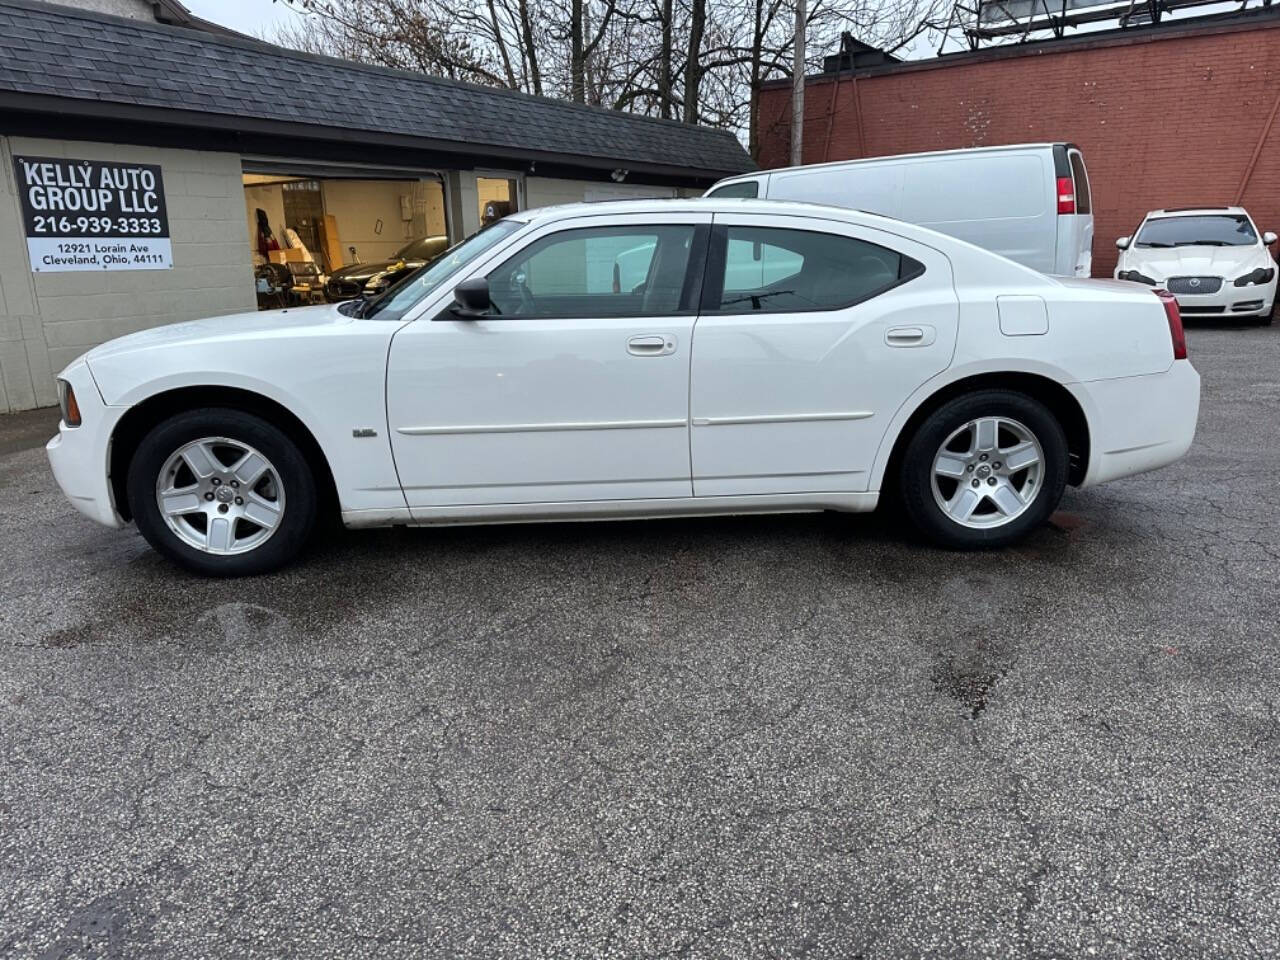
pixel 920 336
pixel 651 345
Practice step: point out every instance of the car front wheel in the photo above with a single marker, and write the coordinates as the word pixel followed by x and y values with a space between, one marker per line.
pixel 984 469
pixel 222 492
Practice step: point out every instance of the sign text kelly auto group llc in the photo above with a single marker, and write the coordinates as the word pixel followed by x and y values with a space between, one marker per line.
pixel 93 215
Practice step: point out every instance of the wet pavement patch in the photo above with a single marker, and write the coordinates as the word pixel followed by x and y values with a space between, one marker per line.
pixel 967 684
pixel 1067 522
pixel 67 638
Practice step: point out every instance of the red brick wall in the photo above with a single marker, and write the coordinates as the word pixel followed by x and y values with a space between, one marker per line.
pixel 1164 121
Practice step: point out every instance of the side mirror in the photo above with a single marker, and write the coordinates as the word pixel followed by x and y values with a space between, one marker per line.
pixel 1268 238
pixel 471 299
pixel 1123 243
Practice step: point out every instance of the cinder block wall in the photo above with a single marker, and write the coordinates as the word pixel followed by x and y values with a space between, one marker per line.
pixel 48 319
pixel 1165 119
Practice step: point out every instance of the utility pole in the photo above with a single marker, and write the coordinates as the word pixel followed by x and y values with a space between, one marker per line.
pixel 797 89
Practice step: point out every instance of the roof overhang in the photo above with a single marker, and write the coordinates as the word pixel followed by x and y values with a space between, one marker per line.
pixel 77 119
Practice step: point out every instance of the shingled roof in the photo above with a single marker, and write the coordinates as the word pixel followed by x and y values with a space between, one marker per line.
pixel 68 61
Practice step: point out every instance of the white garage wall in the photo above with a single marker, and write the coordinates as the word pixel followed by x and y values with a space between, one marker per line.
pixel 49 319
pixel 358 206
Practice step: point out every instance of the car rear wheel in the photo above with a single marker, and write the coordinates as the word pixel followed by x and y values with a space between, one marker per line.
pixel 222 492
pixel 984 469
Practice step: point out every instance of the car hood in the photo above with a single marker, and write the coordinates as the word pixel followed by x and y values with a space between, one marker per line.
pixel 237 326
pixel 1229 262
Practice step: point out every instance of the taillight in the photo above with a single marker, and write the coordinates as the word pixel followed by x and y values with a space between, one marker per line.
pixel 1066 195
pixel 1176 333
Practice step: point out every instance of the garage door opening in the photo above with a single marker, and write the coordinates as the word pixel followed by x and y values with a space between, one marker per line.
pixel 324 239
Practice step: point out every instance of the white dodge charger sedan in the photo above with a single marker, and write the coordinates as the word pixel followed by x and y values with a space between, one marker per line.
pixel 636 359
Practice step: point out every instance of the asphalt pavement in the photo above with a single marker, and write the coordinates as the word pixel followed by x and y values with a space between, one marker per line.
pixel 746 737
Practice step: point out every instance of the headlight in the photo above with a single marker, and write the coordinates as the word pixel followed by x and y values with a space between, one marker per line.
pixel 1136 277
pixel 67 401
pixel 1261 275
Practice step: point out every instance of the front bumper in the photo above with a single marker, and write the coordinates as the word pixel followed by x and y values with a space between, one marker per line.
pixel 1253 300
pixel 81 456
pixel 1139 423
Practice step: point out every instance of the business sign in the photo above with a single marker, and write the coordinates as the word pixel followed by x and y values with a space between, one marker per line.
pixel 93 215
pixel 992 12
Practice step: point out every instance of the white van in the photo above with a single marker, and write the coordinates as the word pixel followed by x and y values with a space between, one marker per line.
pixel 1028 202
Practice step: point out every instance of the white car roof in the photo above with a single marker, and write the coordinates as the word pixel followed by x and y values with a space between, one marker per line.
pixel 901 157
pixel 772 208
pixel 961 254
pixel 1198 211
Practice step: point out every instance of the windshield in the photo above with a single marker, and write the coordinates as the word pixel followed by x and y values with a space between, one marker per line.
pixel 1212 230
pixel 421 249
pixel 401 298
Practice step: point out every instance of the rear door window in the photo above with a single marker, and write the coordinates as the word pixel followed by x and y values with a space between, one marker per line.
pixel 1083 202
pixel 778 270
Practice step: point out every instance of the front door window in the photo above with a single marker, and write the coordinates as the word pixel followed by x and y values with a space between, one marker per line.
pixel 631 271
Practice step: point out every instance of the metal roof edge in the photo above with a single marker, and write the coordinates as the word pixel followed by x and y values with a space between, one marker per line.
pixel 263 46
pixel 69 107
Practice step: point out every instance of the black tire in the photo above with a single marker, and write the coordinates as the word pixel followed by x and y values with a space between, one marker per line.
pixel 916 473
pixel 296 520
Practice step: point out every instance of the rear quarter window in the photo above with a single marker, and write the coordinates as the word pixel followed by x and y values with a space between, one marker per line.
pixel 781 270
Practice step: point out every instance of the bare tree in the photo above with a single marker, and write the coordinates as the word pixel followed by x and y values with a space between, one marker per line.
pixel 703 61
pixel 529 46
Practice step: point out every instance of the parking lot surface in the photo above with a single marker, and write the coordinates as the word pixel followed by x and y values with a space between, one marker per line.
pixel 755 737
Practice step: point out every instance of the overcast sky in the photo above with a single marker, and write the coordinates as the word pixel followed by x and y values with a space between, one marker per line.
pixel 248 16
pixel 256 17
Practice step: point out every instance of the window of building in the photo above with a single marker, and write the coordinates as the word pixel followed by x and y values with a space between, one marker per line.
pixel 498 197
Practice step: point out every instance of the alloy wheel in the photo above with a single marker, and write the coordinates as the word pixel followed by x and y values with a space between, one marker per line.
pixel 220 496
pixel 987 472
